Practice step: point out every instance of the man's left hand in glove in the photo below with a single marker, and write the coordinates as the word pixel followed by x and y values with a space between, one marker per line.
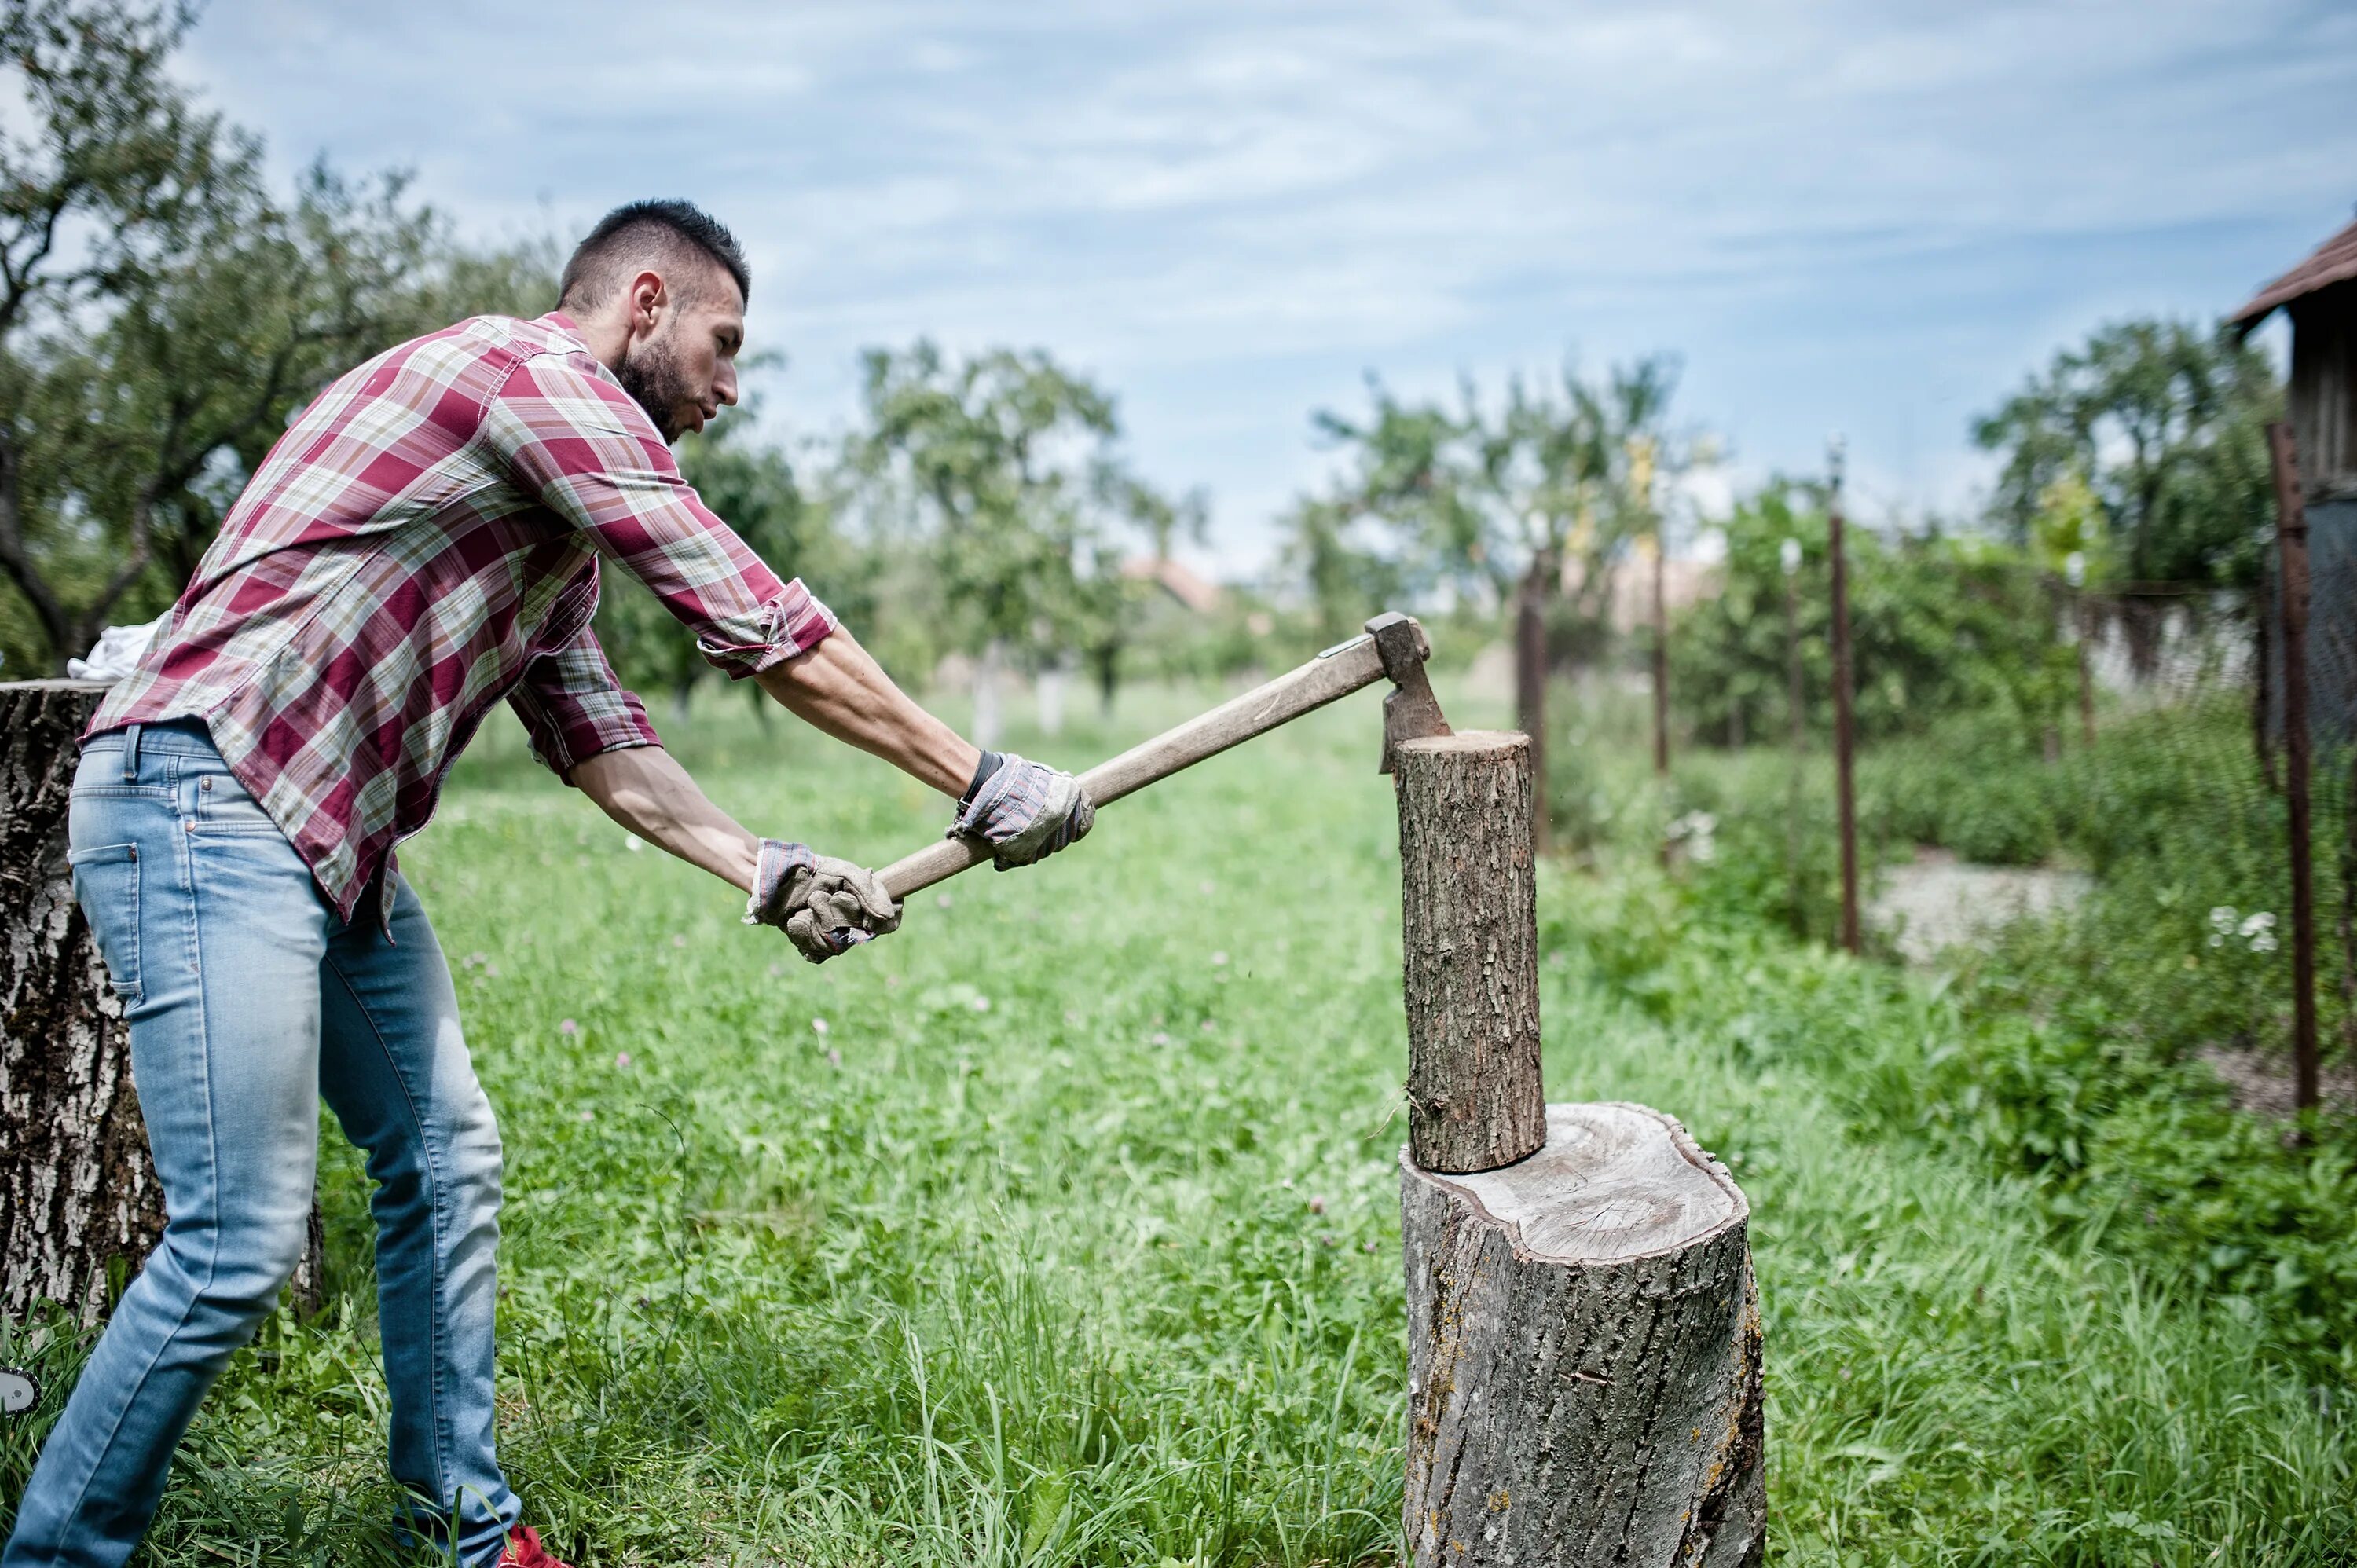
pixel 1025 810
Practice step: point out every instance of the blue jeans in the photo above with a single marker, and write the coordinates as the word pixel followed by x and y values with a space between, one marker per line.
pixel 249 1000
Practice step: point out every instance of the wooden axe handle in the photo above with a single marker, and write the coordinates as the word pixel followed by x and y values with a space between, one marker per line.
pixel 1337 673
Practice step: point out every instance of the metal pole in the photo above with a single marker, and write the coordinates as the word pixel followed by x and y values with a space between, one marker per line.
pixel 1845 791
pixel 2291 544
pixel 1641 487
pixel 1661 657
pixel 2076 569
pixel 1794 697
pixel 1530 691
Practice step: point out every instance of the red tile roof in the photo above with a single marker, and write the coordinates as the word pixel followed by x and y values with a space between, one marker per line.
pixel 2335 261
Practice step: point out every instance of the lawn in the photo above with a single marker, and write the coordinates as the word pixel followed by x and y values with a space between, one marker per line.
pixel 1062 1227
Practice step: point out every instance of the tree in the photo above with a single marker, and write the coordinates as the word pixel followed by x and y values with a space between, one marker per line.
pixel 162 313
pixel 1939 626
pixel 1005 471
pixel 2165 422
pixel 1527 505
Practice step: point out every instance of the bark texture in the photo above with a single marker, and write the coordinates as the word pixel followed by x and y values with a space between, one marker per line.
pixel 1469 929
pixel 79 1203
pixel 77 1190
pixel 1584 1355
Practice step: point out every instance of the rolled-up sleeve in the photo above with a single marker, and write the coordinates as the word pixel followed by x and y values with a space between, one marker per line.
pixel 574 707
pixel 572 437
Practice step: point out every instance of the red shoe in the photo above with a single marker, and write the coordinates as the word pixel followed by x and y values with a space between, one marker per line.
pixel 524 1550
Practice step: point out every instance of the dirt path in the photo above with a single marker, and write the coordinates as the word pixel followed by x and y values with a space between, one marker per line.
pixel 1938 901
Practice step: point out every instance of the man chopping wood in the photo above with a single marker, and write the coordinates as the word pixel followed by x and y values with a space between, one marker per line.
pixel 424 541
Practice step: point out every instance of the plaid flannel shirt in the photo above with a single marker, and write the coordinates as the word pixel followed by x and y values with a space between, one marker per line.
pixel 422 541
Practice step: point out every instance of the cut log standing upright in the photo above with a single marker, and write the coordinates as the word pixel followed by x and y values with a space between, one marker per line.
pixel 2291 538
pixel 1845 732
pixel 1584 1346
pixel 1470 930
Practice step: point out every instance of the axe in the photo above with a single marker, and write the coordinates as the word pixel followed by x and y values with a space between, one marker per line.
pixel 1393 645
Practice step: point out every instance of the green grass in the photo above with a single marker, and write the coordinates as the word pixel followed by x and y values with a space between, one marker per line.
pixel 1073 1236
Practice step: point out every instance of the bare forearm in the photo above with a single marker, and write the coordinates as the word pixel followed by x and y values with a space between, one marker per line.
pixel 838 688
pixel 644 789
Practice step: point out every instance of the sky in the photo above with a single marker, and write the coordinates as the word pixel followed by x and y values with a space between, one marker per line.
pixel 1875 220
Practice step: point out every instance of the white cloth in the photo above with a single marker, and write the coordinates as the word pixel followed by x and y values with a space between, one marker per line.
pixel 115 654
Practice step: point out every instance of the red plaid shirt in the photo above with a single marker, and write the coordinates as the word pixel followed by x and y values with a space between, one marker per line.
pixel 421 543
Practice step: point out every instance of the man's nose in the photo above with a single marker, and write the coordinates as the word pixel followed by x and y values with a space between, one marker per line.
pixel 724 385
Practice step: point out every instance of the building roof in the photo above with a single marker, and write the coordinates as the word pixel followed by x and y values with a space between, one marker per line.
pixel 1181 584
pixel 2335 261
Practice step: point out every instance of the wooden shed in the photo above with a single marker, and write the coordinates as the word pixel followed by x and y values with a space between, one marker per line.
pixel 2321 294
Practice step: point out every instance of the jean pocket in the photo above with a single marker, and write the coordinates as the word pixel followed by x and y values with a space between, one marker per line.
pixel 106 885
pixel 224 807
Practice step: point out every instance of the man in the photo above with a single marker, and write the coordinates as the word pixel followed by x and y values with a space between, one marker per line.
pixel 424 541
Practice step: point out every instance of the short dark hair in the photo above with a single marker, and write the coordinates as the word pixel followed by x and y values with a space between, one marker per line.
pixel 647 230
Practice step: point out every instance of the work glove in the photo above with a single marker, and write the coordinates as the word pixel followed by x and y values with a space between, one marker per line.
pixel 1024 810
pixel 825 904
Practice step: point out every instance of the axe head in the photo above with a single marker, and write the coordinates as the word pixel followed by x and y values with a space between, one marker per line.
pixel 1410 710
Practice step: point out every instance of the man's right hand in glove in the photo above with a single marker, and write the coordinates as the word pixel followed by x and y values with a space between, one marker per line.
pixel 1025 810
pixel 827 906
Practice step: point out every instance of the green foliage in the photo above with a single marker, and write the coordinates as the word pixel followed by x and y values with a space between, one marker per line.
pixel 1002 472
pixel 2167 421
pixel 1939 626
pixel 2071 1053
pixel 1549 488
pixel 161 311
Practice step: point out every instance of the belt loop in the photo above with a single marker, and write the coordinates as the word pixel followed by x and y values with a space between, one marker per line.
pixel 130 755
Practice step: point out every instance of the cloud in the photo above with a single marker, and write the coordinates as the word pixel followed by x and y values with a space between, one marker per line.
pixel 1843 215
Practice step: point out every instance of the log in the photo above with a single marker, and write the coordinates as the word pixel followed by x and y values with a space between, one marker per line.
pixel 80 1202
pixel 1468 932
pixel 1584 1354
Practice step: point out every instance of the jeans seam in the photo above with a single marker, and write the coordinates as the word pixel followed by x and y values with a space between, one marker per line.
pixel 212 1193
pixel 443 1437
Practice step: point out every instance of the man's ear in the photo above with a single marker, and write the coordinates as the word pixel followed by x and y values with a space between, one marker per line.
pixel 649 297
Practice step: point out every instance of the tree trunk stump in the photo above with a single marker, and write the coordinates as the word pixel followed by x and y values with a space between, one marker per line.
pixel 80 1202
pixel 1584 1355
pixel 1469 928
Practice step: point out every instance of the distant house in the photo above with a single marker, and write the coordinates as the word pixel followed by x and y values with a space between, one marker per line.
pixel 2319 294
pixel 1685 584
pixel 1182 585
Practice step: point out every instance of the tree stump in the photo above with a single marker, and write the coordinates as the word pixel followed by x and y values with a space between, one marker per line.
pixel 79 1203
pixel 1468 932
pixel 1584 1354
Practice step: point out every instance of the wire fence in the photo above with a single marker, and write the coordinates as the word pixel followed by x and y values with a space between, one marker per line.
pixel 2123 765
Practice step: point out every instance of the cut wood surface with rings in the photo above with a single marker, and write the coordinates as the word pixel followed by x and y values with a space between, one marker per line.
pixel 1584 1354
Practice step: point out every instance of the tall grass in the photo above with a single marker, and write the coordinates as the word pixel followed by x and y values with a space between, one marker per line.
pixel 1071 1237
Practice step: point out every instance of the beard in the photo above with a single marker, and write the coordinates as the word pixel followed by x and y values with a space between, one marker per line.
pixel 653 379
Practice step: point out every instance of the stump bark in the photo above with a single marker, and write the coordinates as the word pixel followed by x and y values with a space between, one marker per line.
pixel 80 1202
pixel 1584 1354
pixel 1468 928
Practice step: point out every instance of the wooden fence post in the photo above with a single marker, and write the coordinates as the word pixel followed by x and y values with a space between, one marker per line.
pixel 1584 1342
pixel 80 1204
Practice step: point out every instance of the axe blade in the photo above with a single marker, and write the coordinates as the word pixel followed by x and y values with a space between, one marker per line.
pixel 1410 710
